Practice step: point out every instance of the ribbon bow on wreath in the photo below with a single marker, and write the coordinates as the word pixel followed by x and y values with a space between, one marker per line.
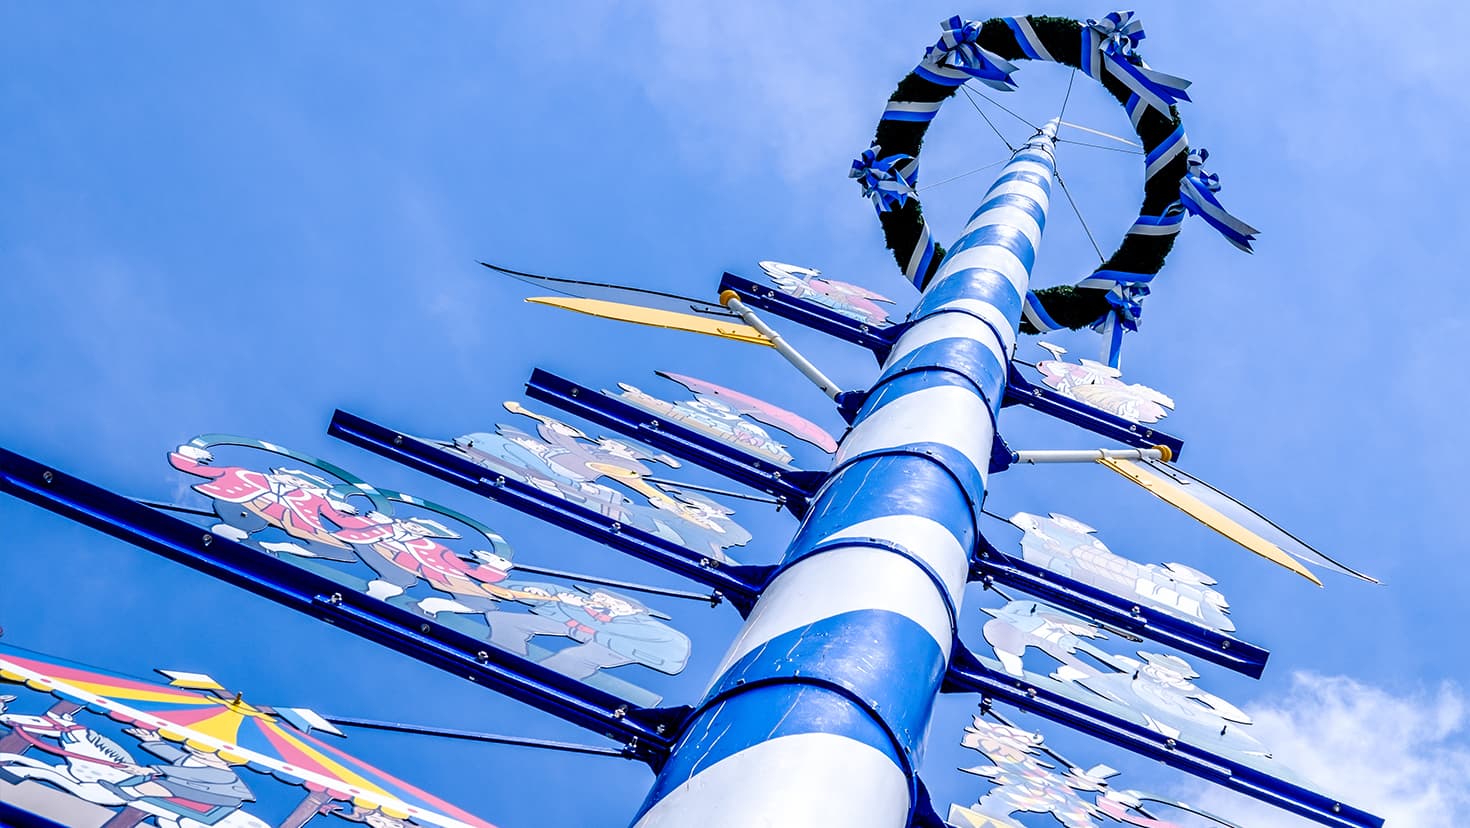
pixel 1125 307
pixel 1197 194
pixel 959 48
pixel 1112 43
pixel 889 181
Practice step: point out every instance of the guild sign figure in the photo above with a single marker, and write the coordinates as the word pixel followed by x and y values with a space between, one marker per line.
pixel 563 461
pixel 188 788
pixel 1154 690
pixel 852 301
pixel 1025 784
pixel 1098 385
pixel 1066 546
pixel 606 630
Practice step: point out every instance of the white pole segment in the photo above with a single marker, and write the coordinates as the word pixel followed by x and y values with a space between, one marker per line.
pixel 818 713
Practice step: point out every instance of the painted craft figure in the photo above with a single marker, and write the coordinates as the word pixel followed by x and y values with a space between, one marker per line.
pixel 1155 690
pixel 853 301
pixel 1066 546
pixel 713 418
pixel 759 410
pixel 562 460
pixel 1099 386
pixel 87 747
pixel 1026 784
pixel 403 552
pixel 468 571
pixel 607 630
pixel 188 787
pixel 302 504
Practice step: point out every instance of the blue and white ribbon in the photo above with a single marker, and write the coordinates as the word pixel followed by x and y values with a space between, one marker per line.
pixel 888 181
pixel 1197 195
pixel 1029 41
pixel 1111 44
pixel 958 55
pixel 1125 299
pixel 1035 313
pixel 1166 151
pixel 911 111
pixel 1166 225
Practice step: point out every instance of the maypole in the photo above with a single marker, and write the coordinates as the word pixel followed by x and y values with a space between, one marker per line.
pixel 818 712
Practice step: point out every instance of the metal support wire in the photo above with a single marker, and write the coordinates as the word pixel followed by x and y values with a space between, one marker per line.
pixel 476 736
pixel 988 122
pixel 1080 219
pixel 713 598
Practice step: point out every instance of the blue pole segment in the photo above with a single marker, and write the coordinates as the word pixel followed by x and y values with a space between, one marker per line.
pixel 818 713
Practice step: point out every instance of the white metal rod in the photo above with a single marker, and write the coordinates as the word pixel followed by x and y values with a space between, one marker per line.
pixel 1093 455
pixel 730 300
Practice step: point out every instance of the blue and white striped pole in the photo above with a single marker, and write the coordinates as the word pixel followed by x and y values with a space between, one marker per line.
pixel 818 713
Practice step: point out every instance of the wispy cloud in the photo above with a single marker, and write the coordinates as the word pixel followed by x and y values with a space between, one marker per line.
pixel 1404 757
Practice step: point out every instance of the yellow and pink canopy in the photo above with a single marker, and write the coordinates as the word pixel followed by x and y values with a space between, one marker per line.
pixel 234 730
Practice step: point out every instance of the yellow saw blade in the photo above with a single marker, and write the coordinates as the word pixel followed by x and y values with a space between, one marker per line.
pixel 656 317
pixel 1167 491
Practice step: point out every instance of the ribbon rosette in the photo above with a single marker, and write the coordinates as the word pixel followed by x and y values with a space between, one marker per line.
pixel 1113 43
pixel 1197 194
pixel 1125 298
pixel 888 181
pixel 959 48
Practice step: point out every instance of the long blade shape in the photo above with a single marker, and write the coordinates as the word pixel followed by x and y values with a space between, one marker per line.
pixel 1255 521
pixel 657 318
pixel 1187 498
pixel 607 291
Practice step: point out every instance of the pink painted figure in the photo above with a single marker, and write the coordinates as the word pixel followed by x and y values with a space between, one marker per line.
pixel 1099 386
pixel 853 301
pixel 299 503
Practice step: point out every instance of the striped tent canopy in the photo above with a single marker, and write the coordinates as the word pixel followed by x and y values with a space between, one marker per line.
pixel 259 738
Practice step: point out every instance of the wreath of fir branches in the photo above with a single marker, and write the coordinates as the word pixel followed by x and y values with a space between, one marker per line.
pixel 1069 306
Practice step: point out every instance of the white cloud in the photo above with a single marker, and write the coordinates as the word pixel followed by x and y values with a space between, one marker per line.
pixel 1404 757
pixel 755 85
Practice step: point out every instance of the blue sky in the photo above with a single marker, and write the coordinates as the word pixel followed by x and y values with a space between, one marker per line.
pixel 238 221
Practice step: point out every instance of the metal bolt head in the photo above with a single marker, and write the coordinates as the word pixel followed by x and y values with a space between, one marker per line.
pixel 616 527
pixel 423 628
pixel 207 539
pixel 47 476
pixel 482 656
pixel 398 439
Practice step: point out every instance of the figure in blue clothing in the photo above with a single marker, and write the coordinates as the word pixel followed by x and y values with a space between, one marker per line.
pixel 608 630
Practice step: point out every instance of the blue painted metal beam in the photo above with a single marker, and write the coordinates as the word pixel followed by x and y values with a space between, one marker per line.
pixel 792 487
pixel 1021 391
pixel 967 674
pixel 13 816
pixel 812 315
pixel 1116 611
pixel 740 585
pixel 647 732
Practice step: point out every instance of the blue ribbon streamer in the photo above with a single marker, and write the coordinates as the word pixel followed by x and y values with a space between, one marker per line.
pixel 889 181
pixel 1197 194
pixel 1125 301
pixel 959 48
pixel 1112 43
